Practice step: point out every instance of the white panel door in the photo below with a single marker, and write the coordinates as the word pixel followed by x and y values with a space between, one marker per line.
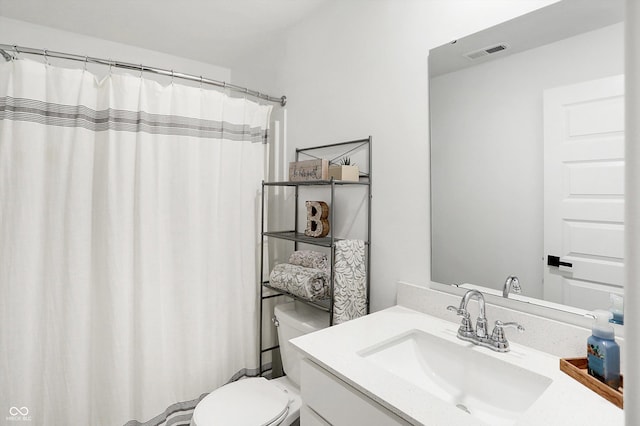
pixel 584 192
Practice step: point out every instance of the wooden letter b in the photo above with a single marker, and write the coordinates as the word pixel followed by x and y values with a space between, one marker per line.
pixel 317 223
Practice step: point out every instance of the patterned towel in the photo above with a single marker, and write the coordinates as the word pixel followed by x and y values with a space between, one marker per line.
pixel 350 281
pixel 310 259
pixel 309 283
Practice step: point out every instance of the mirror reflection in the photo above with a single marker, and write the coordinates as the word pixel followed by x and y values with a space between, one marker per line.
pixel 527 156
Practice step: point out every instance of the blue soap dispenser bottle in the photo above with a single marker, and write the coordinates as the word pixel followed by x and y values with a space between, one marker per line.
pixel 603 353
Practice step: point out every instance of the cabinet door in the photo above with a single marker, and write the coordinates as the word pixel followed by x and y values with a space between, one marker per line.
pixel 339 403
pixel 308 417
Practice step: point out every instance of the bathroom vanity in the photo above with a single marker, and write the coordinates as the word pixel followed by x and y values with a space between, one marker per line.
pixel 328 400
pixel 401 366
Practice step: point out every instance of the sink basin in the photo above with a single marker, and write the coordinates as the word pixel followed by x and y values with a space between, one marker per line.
pixel 479 383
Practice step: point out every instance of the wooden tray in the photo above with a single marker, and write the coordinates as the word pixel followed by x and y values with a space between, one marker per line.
pixel 577 368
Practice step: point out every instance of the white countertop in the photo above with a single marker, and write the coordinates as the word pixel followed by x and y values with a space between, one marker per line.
pixel 565 402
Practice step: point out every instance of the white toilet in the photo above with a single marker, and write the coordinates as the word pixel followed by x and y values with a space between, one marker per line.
pixel 258 401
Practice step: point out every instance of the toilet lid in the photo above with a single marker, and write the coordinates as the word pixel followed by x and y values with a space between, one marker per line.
pixel 251 402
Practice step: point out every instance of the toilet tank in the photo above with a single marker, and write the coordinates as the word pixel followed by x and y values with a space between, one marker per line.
pixel 296 319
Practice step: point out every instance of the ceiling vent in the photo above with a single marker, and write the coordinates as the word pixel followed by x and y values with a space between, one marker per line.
pixel 486 51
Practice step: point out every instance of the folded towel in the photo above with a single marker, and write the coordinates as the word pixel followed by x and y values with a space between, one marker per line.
pixel 310 259
pixel 350 281
pixel 309 283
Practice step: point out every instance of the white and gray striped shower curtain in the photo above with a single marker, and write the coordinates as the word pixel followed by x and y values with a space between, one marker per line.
pixel 128 240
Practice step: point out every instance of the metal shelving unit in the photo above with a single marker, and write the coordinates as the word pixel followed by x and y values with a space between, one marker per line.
pixel 329 241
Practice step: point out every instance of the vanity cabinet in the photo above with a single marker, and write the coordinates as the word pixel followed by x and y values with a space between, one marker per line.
pixel 308 417
pixel 327 400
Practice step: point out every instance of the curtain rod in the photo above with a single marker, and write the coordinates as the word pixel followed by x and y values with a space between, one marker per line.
pixel 6 48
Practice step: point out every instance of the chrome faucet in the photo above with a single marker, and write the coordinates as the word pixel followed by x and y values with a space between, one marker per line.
pixel 512 284
pixel 497 341
pixel 481 321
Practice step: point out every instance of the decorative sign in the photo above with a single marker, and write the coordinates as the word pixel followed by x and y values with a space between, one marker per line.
pixel 317 222
pixel 309 170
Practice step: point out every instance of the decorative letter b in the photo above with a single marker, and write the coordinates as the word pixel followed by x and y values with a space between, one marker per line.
pixel 317 223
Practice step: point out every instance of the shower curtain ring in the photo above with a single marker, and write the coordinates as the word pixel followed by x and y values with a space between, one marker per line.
pixel 172 77
pixel 46 62
pixel 110 66
pixel 141 69
pixel 86 59
pixel 200 82
pixel 15 49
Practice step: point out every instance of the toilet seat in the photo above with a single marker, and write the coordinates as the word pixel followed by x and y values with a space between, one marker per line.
pixel 250 402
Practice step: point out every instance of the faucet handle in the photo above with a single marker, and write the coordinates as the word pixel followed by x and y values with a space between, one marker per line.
pixel 498 330
pixel 465 329
pixel 458 311
pixel 498 341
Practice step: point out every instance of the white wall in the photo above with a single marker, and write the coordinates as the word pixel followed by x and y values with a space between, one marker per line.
pixel 359 68
pixel 26 34
pixel 487 177
pixel 353 69
pixel 632 211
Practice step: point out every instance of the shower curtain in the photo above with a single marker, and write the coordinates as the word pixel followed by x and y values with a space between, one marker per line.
pixel 128 240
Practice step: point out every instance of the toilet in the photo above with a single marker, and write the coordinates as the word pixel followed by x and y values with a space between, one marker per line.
pixel 257 401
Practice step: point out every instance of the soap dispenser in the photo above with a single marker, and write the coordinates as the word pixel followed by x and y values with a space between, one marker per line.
pixel 603 353
pixel 616 308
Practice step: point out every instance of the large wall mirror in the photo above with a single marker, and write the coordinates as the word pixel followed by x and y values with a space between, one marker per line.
pixel 527 155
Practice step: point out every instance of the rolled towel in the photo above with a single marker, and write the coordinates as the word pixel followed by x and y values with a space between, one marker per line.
pixel 309 283
pixel 310 259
